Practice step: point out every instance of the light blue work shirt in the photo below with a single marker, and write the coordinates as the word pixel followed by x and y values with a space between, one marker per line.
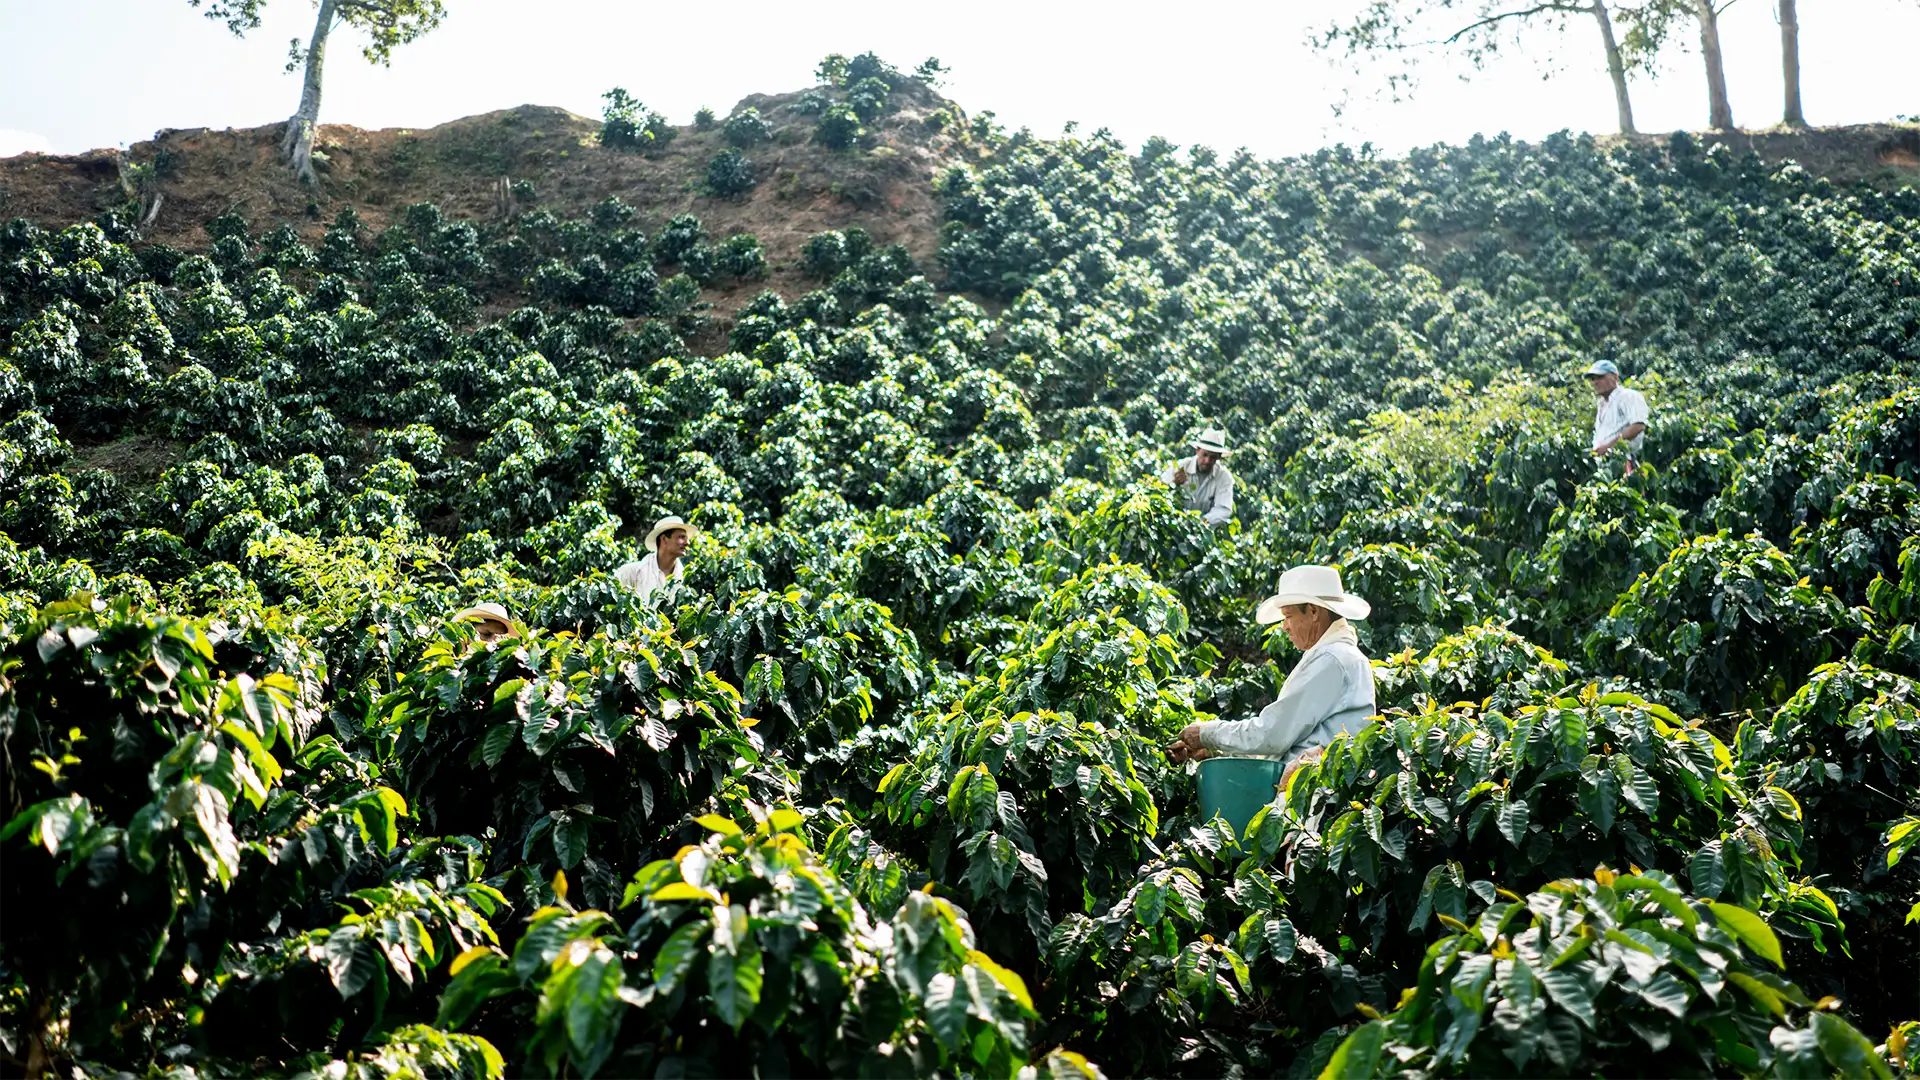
pixel 1329 693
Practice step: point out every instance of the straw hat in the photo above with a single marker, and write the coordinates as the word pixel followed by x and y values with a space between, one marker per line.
pixel 1312 585
pixel 668 524
pixel 488 612
pixel 1213 440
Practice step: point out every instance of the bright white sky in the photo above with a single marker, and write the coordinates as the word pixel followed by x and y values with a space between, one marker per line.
pixel 77 74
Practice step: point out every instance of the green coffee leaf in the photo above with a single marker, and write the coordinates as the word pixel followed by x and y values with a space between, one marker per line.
pixel 1751 929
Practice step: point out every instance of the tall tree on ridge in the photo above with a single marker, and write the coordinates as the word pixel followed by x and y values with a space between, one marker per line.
pixel 1719 109
pixel 1479 29
pixel 388 24
pixel 1651 22
pixel 1790 63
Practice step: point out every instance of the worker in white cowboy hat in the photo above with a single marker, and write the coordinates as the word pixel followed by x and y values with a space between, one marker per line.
pixel 490 621
pixel 1329 693
pixel 665 544
pixel 1203 480
pixel 1620 415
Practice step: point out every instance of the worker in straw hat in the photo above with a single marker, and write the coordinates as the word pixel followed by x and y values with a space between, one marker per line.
pixel 665 545
pixel 1202 480
pixel 1329 693
pixel 490 621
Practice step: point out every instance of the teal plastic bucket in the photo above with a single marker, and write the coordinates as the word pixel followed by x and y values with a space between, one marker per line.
pixel 1235 788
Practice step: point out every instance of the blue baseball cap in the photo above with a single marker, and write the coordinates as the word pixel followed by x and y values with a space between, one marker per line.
pixel 1602 367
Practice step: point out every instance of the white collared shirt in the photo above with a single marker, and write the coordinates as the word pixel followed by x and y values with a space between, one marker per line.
pixel 1209 494
pixel 644 576
pixel 1616 413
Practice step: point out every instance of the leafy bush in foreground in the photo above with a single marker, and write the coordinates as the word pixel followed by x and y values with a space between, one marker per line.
pixel 1621 972
pixel 747 954
pixel 1723 622
pixel 1460 797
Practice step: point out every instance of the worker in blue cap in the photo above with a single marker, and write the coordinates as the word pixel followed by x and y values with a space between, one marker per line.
pixel 1620 416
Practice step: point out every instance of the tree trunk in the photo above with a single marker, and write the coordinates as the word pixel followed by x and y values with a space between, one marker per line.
pixel 1719 111
pixel 1616 68
pixel 1790 62
pixel 297 145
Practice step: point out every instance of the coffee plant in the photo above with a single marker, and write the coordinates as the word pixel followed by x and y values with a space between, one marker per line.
pixel 879 785
pixel 840 126
pixel 747 128
pixel 730 173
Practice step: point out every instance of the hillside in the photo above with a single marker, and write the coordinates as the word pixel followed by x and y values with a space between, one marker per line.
pixel 888 771
pixel 467 166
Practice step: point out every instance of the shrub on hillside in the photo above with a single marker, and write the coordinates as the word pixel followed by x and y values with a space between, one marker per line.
pixel 730 173
pixel 868 65
pixel 742 258
pixel 626 124
pixel 839 127
pixel 1595 548
pixel 1859 537
pixel 747 128
pixel 868 98
pixel 832 69
pixel 826 254
pixel 678 238
pixel 622 121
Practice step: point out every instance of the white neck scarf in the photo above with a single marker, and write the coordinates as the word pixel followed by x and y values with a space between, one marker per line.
pixel 1338 632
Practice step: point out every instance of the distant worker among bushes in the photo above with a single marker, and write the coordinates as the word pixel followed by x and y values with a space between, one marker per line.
pixel 490 622
pixel 1619 417
pixel 1329 693
pixel 1203 481
pixel 665 545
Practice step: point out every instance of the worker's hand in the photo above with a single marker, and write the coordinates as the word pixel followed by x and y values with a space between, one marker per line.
pixel 1187 747
pixel 1179 477
pixel 1310 755
pixel 1601 451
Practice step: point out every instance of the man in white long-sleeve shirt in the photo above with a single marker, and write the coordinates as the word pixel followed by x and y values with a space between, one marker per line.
pixel 662 563
pixel 1202 482
pixel 1329 693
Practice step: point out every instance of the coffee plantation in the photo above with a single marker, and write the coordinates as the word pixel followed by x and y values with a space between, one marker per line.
pixel 880 786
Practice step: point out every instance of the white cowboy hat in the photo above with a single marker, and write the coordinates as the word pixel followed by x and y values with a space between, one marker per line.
pixel 668 524
pixel 1312 585
pixel 1214 440
pixel 488 612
